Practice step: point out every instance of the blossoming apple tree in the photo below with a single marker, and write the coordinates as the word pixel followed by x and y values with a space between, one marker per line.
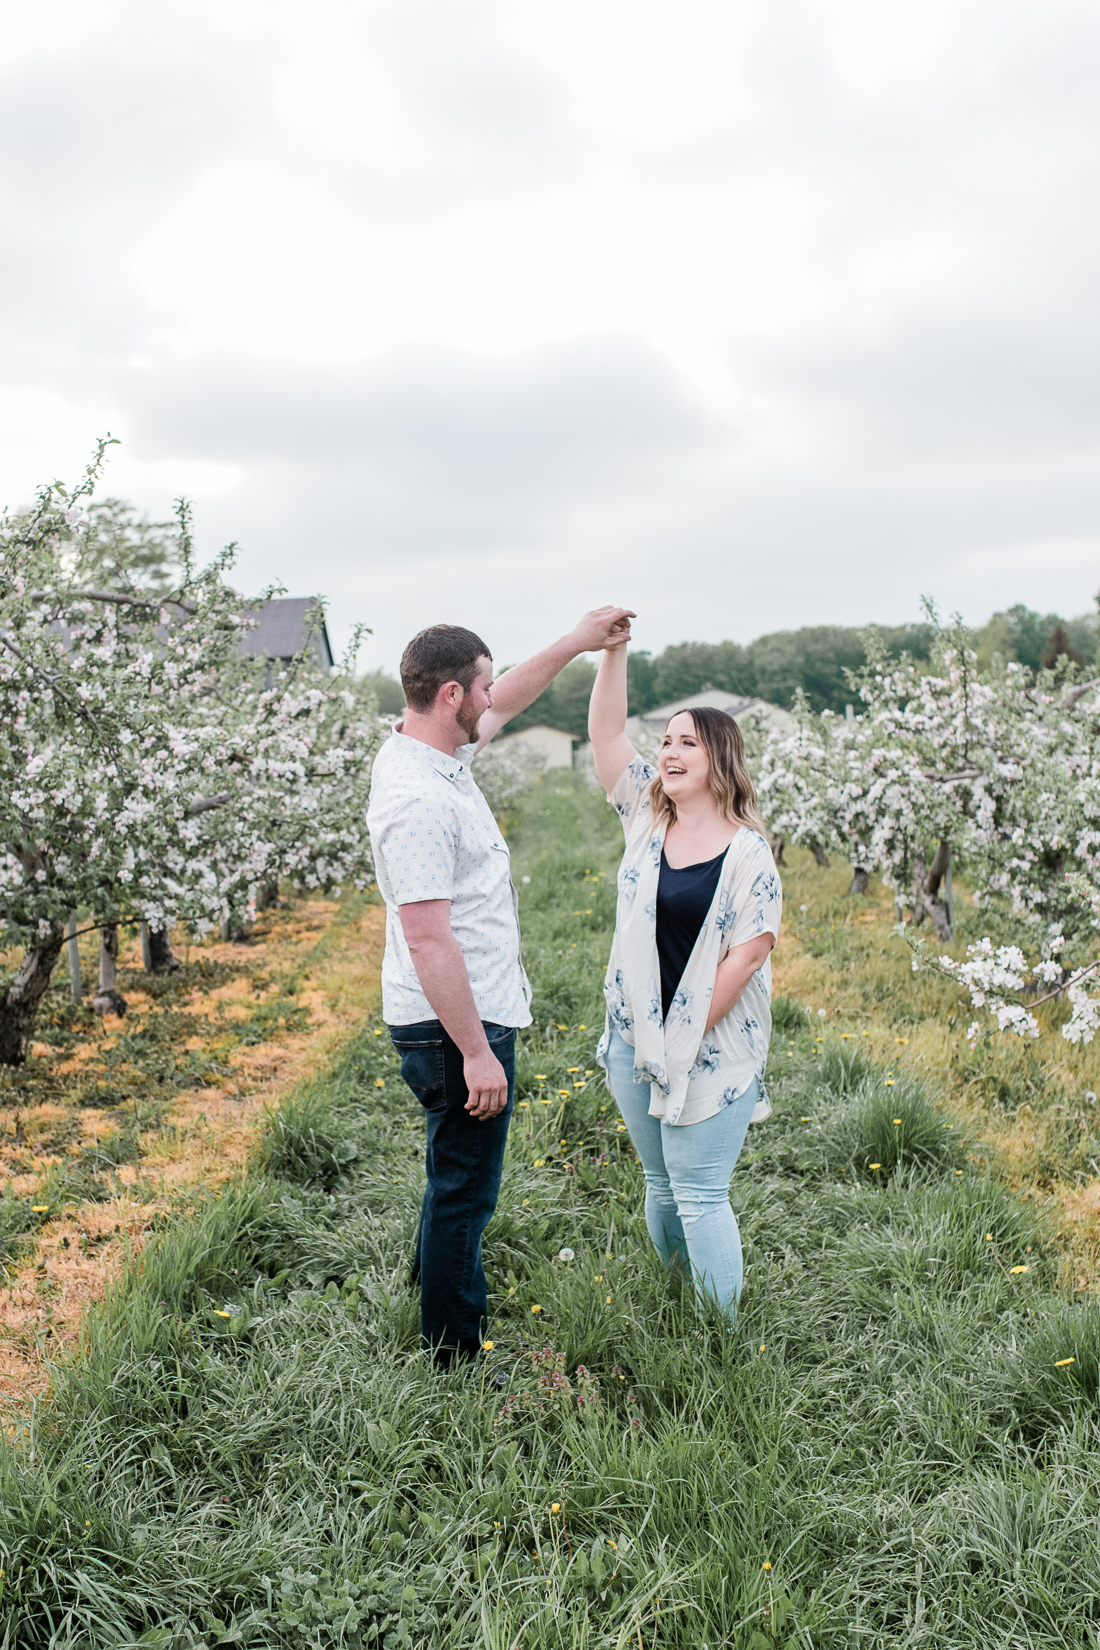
pixel 999 773
pixel 149 771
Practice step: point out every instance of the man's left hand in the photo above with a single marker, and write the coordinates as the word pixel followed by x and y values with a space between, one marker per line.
pixel 604 627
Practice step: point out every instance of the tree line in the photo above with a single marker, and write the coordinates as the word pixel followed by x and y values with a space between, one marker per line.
pixel 812 662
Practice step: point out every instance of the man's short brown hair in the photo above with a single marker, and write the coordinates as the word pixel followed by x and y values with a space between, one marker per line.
pixel 442 653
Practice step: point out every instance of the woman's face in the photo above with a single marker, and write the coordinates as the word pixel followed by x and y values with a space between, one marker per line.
pixel 684 764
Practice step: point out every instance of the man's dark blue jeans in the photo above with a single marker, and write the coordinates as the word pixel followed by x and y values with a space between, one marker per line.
pixel 464 1161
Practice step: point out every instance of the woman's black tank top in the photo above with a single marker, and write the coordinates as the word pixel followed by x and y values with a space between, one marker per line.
pixel 683 900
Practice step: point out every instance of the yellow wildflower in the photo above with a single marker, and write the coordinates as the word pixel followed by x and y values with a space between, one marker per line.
pixel 897 1121
pixel 555 1506
pixel 487 1346
pixel 767 1566
pixel 1062 1362
pixel 40 1208
pixel 536 1309
pixel 1016 1270
pixel 379 1082
pixel 219 1314
pixel 874 1165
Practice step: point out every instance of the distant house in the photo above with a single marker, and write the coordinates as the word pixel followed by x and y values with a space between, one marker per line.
pixel 770 718
pixel 283 632
pixel 553 744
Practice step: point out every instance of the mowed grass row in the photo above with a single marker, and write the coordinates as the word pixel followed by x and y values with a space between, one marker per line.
pixel 896 1446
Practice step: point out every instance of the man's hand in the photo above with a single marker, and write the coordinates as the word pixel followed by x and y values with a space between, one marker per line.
pixel 487 1084
pixel 604 627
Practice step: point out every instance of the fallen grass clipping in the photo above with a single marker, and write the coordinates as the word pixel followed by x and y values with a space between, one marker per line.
pixel 897 1444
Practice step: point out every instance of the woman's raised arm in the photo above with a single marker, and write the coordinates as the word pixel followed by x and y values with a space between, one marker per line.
pixel 607 719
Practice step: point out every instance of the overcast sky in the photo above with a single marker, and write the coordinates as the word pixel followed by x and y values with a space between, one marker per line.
pixel 749 315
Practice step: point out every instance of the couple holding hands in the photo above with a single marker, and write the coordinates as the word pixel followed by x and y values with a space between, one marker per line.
pixel 688 982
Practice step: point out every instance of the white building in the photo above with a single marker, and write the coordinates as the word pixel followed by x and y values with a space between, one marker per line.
pixel 553 744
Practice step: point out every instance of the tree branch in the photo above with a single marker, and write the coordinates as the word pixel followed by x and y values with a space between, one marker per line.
pixel 77 709
pixel 120 598
pixel 207 804
pixel 1076 693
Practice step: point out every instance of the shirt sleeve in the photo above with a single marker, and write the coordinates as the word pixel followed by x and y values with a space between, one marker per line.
pixel 757 894
pixel 632 789
pixel 418 846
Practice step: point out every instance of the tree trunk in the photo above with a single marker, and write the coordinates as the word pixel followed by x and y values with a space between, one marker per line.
pixel 20 1005
pixel 269 896
pixel 926 888
pixel 818 852
pixel 108 1000
pixel 162 959
pixel 860 875
pixel 776 845
pixel 76 989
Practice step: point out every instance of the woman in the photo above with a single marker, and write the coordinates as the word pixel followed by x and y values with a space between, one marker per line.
pixel 688 986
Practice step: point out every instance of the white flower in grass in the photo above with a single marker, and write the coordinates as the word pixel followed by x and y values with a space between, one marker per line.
pixel 566 1254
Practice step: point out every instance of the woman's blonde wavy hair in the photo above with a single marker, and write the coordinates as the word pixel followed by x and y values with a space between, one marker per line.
pixel 730 782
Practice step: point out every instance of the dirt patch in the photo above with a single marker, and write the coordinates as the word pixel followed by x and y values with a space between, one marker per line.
pixel 317 963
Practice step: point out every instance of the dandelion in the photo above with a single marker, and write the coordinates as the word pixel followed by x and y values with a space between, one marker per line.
pixel 845 1036
pixel 762 1344
pixel 378 1034
pixel 584 1028
pixel 1062 1362
pixel 608 1301
pixel 620 1128
pixel 821 1013
pixel 874 1165
pixel 540 1077
pixel 536 1309
pixel 564 1093
pixel 512 1289
pixel 561 1028
pixel 523 1105
pixel 218 1313
pixel 571 1069
pixel 379 1082
pixel 496 1523
pixel 611 1544
pixel 897 1122
pixel 767 1566
pixel 901 1039
pixel 1016 1270
pixel 566 1254
pixel 40 1208
pixel 555 1506
pixel 958 1171
pixel 804 1120
pixel 487 1346
pixel 890 1082
pixel 989 1237
pixel 540 1162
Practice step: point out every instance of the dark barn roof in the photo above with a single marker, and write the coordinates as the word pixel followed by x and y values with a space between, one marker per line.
pixel 282 632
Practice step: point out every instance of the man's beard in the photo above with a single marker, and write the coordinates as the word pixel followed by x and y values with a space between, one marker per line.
pixel 468 720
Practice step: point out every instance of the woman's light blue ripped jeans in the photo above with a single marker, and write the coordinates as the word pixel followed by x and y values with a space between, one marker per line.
pixel 687 1180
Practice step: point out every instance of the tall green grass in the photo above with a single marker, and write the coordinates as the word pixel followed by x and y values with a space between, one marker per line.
pixel 250 1450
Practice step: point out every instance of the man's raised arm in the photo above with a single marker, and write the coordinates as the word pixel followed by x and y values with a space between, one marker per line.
pixel 519 687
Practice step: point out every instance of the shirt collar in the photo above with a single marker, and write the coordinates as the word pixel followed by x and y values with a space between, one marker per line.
pixel 449 766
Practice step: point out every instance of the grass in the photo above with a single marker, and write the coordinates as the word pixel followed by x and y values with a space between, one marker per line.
pixel 896 1446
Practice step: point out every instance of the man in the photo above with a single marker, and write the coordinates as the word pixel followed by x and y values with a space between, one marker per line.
pixel 454 990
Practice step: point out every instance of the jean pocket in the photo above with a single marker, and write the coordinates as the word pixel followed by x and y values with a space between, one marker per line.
pixel 422 1069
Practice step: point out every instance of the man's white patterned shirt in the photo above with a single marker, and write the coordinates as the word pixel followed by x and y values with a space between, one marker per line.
pixel 434 837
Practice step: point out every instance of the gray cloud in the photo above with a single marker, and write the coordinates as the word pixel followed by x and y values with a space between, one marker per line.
pixel 437 449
